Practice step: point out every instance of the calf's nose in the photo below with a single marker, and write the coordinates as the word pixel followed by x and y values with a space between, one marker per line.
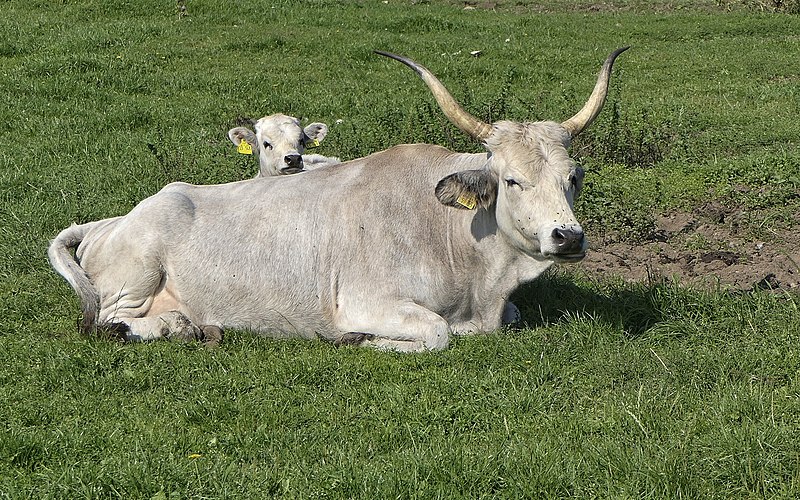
pixel 293 161
pixel 294 164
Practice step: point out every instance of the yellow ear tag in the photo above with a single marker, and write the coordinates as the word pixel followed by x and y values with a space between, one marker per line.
pixel 467 200
pixel 244 148
pixel 314 144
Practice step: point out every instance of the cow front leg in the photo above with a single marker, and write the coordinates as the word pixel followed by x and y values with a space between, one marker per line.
pixel 405 328
pixel 501 313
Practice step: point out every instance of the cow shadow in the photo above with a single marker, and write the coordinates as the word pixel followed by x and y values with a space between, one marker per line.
pixel 555 297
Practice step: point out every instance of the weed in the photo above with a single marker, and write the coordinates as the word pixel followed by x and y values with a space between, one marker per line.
pixel 781 6
pixel 636 139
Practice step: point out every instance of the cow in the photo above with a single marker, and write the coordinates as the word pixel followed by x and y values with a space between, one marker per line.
pixel 398 250
pixel 278 138
pixel 279 142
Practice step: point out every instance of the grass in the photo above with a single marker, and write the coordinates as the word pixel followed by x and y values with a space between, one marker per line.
pixel 619 390
pixel 676 394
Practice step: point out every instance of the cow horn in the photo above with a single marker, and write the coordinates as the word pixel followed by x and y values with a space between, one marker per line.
pixel 455 113
pixel 595 103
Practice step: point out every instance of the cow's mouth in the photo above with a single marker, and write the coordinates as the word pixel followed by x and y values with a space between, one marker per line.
pixel 291 170
pixel 568 258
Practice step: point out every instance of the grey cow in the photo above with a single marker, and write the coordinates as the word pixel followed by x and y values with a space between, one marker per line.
pixel 397 250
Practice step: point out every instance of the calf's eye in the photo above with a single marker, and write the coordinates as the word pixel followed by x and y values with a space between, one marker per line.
pixel 512 183
pixel 267 145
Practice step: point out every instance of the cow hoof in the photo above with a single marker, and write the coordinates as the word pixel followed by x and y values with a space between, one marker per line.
pixel 212 335
pixel 353 338
pixel 178 327
pixel 113 331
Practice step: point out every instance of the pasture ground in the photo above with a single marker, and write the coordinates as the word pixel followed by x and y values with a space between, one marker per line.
pixel 664 366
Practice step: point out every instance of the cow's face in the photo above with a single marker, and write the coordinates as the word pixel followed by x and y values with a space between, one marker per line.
pixel 531 183
pixel 280 142
pixel 529 178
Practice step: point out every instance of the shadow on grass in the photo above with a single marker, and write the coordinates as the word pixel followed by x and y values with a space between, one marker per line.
pixel 632 307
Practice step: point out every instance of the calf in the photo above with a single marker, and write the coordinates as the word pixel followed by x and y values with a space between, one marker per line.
pixel 279 142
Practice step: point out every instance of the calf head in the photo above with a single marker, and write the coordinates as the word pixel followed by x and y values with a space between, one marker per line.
pixel 529 178
pixel 279 141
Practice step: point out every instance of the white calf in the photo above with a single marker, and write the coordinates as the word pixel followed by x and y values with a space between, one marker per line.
pixel 279 141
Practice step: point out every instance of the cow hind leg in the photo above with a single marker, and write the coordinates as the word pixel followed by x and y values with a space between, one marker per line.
pixel 353 338
pixel 384 344
pixel 172 325
pixel 407 328
pixel 146 307
pixel 380 343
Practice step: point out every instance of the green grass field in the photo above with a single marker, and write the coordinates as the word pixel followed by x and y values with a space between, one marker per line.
pixel 614 389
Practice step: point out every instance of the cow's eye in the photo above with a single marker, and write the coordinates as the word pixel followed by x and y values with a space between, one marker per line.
pixel 512 183
pixel 267 145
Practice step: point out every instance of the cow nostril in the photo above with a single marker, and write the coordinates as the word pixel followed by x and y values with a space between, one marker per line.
pixel 293 160
pixel 559 235
pixel 567 240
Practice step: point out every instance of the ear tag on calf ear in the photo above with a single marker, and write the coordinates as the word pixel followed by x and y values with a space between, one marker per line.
pixel 244 147
pixel 467 200
pixel 313 144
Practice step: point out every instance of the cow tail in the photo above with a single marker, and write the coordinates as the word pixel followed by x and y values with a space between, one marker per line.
pixel 60 254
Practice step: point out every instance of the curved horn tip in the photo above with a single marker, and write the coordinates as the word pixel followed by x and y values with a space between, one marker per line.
pixel 594 105
pixel 613 56
pixel 619 51
pixel 405 60
pixel 467 123
pixel 389 54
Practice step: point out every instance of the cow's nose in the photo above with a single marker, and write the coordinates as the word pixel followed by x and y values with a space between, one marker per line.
pixel 293 161
pixel 568 240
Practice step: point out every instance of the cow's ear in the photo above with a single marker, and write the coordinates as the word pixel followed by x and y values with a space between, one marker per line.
pixel 237 134
pixel 314 134
pixel 468 189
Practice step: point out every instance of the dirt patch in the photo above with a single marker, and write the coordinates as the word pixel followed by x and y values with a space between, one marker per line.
pixel 708 247
pixel 593 6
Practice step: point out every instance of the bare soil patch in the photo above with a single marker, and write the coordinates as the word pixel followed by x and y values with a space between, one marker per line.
pixel 592 6
pixel 708 247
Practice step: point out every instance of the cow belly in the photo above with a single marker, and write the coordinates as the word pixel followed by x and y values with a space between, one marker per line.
pixel 275 323
pixel 257 307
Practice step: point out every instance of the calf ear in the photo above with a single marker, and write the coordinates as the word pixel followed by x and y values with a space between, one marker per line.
pixel 468 189
pixel 314 134
pixel 237 134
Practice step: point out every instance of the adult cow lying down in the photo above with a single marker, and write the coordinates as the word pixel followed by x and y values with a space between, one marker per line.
pixel 279 142
pixel 397 250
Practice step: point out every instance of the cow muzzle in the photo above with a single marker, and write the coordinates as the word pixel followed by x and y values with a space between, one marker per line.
pixel 566 243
